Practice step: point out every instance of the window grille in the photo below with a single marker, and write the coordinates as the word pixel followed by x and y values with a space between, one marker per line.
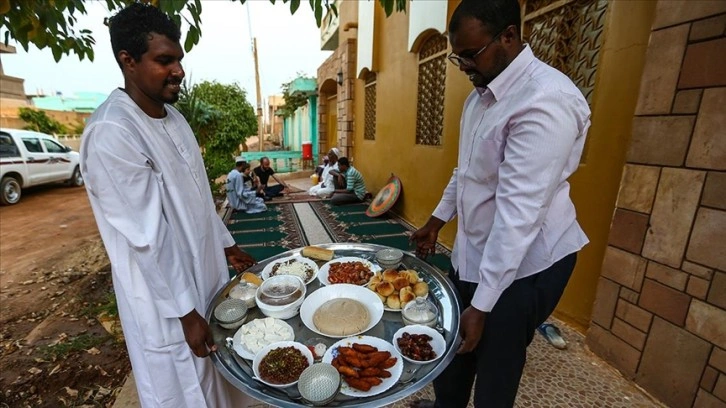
pixel 431 87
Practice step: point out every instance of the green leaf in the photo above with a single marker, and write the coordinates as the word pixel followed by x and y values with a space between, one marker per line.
pixel 294 5
pixel 387 6
pixel 189 42
pixel 90 53
pixel 57 52
pixel 318 11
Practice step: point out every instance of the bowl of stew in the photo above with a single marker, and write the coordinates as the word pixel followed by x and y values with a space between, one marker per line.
pixel 280 364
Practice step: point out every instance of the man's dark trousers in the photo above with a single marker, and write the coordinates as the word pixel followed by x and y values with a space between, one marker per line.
pixel 274 191
pixel 498 360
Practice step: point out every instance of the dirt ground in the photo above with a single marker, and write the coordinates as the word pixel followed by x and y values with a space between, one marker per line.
pixel 55 282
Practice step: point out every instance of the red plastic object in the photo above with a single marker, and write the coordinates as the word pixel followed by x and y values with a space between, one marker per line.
pixel 307 150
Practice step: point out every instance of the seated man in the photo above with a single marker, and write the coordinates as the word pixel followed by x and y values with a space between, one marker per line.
pixel 321 167
pixel 240 191
pixel 326 185
pixel 263 173
pixel 354 190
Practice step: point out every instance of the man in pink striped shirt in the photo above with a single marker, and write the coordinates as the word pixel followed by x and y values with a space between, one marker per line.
pixel 523 129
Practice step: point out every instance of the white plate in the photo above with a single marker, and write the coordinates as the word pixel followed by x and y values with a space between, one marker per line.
pixel 438 344
pixel 323 274
pixel 341 291
pixel 268 268
pixel 248 354
pixel 382 345
pixel 259 356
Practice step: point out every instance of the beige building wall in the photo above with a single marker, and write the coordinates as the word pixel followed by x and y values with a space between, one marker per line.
pixel 660 309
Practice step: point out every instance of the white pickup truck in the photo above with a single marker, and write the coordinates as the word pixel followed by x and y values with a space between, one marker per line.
pixel 30 158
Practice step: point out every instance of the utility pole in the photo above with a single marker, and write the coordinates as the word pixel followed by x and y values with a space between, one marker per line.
pixel 260 121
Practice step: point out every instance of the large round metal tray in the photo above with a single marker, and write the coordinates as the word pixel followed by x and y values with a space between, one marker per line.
pixel 441 291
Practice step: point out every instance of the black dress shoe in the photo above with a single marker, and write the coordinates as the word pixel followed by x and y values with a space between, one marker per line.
pixel 422 404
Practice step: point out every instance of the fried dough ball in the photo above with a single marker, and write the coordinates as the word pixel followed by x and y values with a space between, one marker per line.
pixel 385 288
pixel 406 295
pixel 389 275
pixel 400 283
pixel 393 301
pixel 412 276
pixel 421 289
pixel 375 279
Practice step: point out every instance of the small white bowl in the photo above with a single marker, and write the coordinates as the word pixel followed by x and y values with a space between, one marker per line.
pixel 231 313
pixel 389 258
pixel 285 311
pixel 319 384
pixel 438 344
pixel 280 344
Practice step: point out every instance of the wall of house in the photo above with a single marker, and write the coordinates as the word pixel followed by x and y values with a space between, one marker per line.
pixel 9 116
pixel 660 309
pixel 424 170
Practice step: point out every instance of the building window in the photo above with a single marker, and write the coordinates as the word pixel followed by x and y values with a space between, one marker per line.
pixel 370 107
pixel 568 36
pixel 431 87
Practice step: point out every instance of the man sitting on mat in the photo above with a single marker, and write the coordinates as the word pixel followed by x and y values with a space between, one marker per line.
pixel 263 173
pixel 353 188
pixel 326 186
pixel 241 193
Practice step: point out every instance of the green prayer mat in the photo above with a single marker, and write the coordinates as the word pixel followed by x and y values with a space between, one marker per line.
pixel 268 233
pixel 348 223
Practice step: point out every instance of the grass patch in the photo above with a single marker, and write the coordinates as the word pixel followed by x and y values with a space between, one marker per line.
pixel 107 306
pixel 74 344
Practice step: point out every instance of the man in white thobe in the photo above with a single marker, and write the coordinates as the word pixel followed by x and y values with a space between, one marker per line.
pixel 326 186
pixel 149 193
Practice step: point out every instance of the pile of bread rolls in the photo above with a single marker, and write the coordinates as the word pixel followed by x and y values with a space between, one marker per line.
pixel 396 288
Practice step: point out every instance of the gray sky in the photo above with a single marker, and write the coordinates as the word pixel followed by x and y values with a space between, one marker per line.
pixel 286 45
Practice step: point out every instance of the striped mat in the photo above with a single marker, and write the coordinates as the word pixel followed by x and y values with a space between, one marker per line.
pixel 288 226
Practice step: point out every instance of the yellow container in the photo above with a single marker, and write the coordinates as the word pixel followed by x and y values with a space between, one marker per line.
pixel 314 178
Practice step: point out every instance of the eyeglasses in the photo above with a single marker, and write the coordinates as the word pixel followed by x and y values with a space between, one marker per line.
pixel 471 61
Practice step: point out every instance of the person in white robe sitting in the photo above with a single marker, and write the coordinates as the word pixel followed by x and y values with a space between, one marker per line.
pixel 326 187
pixel 241 192
pixel 151 198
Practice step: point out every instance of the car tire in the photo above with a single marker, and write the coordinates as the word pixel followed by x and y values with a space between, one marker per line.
pixel 76 179
pixel 10 191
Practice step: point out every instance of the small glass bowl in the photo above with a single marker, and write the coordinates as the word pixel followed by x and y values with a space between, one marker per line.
pixel 231 313
pixel 389 258
pixel 319 384
pixel 246 292
pixel 421 311
pixel 281 290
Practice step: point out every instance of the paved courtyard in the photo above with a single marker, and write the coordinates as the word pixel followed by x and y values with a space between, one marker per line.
pixel 574 377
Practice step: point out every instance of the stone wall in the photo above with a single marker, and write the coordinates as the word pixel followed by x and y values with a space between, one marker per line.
pixel 660 309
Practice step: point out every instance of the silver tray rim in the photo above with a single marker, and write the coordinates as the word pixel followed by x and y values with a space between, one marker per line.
pixel 223 360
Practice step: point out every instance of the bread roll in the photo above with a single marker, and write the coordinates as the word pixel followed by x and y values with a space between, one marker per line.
pixel 385 288
pixel 383 298
pixel 400 282
pixel 393 302
pixel 389 275
pixel 252 278
pixel 406 295
pixel 403 273
pixel 375 279
pixel 412 276
pixel 317 253
pixel 421 289
pixel 341 317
